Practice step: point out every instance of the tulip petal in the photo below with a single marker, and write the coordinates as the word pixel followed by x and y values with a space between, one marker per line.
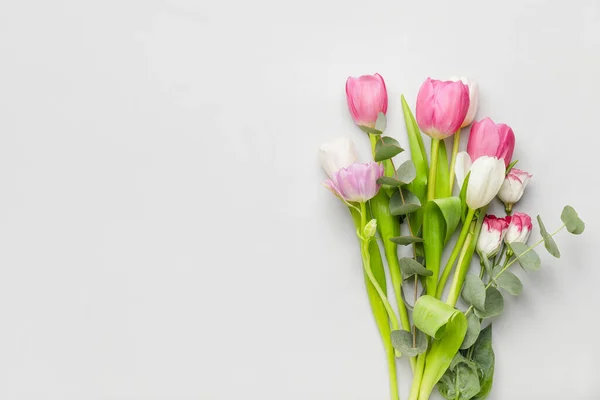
pixel 462 167
pixel 487 176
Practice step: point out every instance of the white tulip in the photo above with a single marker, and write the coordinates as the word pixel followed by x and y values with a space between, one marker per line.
pixel 487 176
pixel 513 187
pixel 473 99
pixel 462 166
pixel 337 154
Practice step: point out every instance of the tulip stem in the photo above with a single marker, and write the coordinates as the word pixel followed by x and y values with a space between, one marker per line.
pixel 455 145
pixel 461 269
pixel 435 147
pixel 455 252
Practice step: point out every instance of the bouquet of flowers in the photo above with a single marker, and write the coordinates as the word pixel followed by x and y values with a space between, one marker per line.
pixel 418 206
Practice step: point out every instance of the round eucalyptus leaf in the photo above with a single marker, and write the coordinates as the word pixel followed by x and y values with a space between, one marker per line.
pixel 494 304
pixel 406 240
pixel 406 172
pixel 474 291
pixel 510 282
pixel 369 130
pixel 473 330
pixel 405 203
pixel 549 242
pixel 404 343
pixel 410 267
pixel 574 224
pixel 386 148
pixel 527 257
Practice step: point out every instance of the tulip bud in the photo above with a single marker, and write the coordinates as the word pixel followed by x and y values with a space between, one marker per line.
pixel 357 182
pixel 442 107
pixel 491 235
pixel 367 97
pixel 490 139
pixel 370 229
pixel 487 175
pixel 337 154
pixel 513 187
pixel 473 99
pixel 519 228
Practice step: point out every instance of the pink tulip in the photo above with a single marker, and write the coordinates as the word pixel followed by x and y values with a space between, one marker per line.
pixel 519 228
pixel 491 235
pixel 442 107
pixel 367 97
pixel 490 139
pixel 357 182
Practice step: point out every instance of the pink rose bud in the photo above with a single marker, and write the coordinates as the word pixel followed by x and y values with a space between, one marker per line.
pixel 490 139
pixel 519 228
pixel 357 182
pixel 367 97
pixel 513 187
pixel 491 235
pixel 473 99
pixel 442 107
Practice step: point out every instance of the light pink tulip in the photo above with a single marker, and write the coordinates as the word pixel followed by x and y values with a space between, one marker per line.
pixel 367 97
pixel 490 139
pixel 357 182
pixel 491 235
pixel 442 107
pixel 519 228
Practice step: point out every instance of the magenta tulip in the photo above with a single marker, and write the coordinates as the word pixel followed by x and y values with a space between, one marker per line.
pixel 490 139
pixel 442 107
pixel 357 182
pixel 367 97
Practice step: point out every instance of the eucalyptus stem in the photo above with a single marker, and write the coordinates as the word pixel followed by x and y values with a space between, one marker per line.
pixel 455 252
pixel 514 261
pixel 455 146
pixel 435 146
pixel 367 267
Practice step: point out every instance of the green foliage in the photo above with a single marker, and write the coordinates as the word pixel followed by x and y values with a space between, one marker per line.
pixel 472 331
pixel 463 197
pixel 381 122
pixel 509 282
pixel 442 184
pixel 494 304
pixel 386 148
pixel 406 240
pixel 572 221
pixel 461 380
pixel 403 342
pixel 549 242
pixel 526 256
pixel 474 291
pixel 406 172
pixel 410 267
pixel 369 130
pixel 399 207
pixel 483 356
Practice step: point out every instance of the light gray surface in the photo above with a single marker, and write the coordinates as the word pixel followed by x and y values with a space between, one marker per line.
pixel 163 229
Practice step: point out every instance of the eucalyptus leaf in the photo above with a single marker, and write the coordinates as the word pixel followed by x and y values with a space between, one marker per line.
pixel 461 380
pixel 390 181
pixel 403 342
pixel 410 267
pixel 526 256
pixel 510 282
pixel 406 172
pixel 483 356
pixel 574 224
pixel 381 122
pixel 368 129
pixel 474 291
pixel 406 240
pixel 494 304
pixel 399 207
pixel 549 242
pixel 386 148
pixel 487 265
pixel 472 331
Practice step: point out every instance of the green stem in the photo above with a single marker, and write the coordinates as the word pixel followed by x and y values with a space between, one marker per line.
pixel 367 267
pixel 416 383
pixel 461 270
pixel 435 146
pixel 455 145
pixel 455 252
pixel 391 358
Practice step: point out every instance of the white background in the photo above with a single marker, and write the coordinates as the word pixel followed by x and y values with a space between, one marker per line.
pixel 163 229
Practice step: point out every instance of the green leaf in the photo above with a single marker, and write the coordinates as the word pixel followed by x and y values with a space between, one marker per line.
pixel 410 204
pixel 406 240
pixel 419 157
pixel 574 224
pixel 474 291
pixel 483 356
pixel 510 282
pixel 487 265
pixel 439 222
pixel 410 267
pixel 463 197
pixel 526 256
pixel 448 326
pixel 461 380
pixel 472 331
pixel 494 304
pixel 386 148
pixel 406 172
pixel 368 129
pixel 390 181
pixel 549 242
pixel 511 165
pixel 403 342
pixel 442 185
pixel 381 122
